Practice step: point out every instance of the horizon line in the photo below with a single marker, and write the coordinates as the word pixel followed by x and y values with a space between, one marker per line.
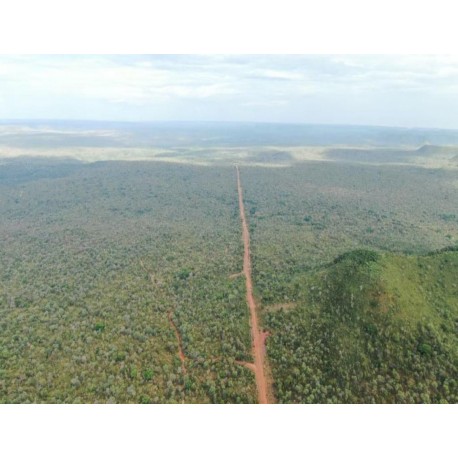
pixel 376 126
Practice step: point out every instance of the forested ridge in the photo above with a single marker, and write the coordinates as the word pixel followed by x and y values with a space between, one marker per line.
pixel 370 328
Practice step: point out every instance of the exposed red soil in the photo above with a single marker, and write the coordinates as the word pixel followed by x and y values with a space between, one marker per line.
pixel 264 335
pixel 258 337
pixel 180 343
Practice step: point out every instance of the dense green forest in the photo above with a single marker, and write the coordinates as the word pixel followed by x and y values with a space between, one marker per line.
pixel 304 216
pixel 95 261
pixel 108 269
pixel 347 323
pixel 370 328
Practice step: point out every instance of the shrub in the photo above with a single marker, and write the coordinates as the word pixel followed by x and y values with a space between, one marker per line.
pixel 148 375
pixel 99 327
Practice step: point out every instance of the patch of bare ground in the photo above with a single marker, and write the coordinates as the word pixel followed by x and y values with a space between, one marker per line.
pixel 267 371
pixel 180 342
pixel 246 364
pixel 232 276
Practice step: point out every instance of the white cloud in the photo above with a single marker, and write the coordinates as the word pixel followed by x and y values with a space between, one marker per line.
pixel 276 88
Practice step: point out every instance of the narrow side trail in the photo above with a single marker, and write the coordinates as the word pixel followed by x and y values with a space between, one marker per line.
pixel 181 354
pixel 180 342
pixel 258 337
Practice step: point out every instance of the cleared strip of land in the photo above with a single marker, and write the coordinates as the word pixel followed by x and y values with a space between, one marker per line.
pixel 179 341
pixel 181 354
pixel 258 337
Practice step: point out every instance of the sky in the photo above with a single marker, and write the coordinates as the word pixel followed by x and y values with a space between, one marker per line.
pixel 384 90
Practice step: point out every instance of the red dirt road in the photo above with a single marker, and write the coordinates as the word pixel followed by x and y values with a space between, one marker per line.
pixel 180 343
pixel 258 337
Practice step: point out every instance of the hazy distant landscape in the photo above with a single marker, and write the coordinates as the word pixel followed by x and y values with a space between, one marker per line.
pixel 227 143
pixel 122 262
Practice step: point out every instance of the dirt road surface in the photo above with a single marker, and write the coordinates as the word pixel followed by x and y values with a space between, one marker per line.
pixel 258 337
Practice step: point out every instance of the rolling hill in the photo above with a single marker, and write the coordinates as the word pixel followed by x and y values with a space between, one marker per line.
pixel 371 327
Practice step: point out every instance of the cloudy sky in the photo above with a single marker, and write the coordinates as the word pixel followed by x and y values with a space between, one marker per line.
pixel 410 91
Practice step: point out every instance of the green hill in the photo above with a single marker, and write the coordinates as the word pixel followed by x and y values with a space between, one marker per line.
pixel 370 327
